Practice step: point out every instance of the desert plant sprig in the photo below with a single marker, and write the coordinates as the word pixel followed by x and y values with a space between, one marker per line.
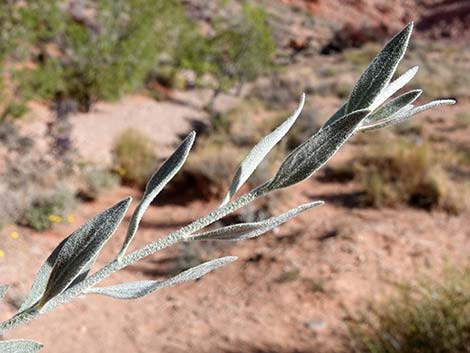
pixel 65 274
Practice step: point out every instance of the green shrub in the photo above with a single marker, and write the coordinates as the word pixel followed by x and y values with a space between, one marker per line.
pixel 240 49
pixel 102 56
pixel 428 316
pixel 48 210
pixel 134 157
pixel 124 44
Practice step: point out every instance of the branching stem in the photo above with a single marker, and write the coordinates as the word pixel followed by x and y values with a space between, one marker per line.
pixel 149 249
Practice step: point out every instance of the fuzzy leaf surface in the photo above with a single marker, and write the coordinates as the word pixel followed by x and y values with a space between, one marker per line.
pixel 3 290
pixel 139 289
pixel 378 74
pixel 394 86
pixel 406 113
pixel 81 248
pixel 244 231
pixel 156 183
pixel 393 106
pixel 259 152
pixel 40 282
pixel 307 158
pixel 336 116
pixel 19 346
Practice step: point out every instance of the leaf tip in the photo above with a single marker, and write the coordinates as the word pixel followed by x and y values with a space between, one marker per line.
pixel 230 258
pixel 191 136
pixel 416 93
pixel 126 202
pixel 408 29
pixel 450 101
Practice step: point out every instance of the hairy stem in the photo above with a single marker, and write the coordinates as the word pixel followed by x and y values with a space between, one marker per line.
pixel 116 265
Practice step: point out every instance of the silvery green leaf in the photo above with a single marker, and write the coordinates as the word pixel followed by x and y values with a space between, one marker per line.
pixel 379 72
pixel 3 290
pixel 156 184
pixel 393 87
pixel 139 289
pixel 407 112
pixel 19 346
pixel 244 231
pixel 40 282
pixel 259 152
pixel 316 151
pixel 336 116
pixel 392 107
pixel 81 248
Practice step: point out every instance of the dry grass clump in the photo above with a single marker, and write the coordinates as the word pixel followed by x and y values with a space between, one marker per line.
pixel 427 316
pixel 209 168
pixel 407 172
pixel 134 157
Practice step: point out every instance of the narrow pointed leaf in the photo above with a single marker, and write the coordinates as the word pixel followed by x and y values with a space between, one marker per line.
pixel 392 107
pixel 139 289
pixel 316 151
pixel 259 152
pixel 40 282
pixel 394 86
pixel 379 72
pixel 81 248
pixel 336 116
pixel 244 231
pixel 19 346
pixel 156 184
pixel 406 113
pixel 3 290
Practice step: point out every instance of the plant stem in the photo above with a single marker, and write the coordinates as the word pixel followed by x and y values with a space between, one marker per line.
pixel 116 265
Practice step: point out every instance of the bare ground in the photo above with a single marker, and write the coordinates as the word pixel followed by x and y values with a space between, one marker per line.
pixel 288 292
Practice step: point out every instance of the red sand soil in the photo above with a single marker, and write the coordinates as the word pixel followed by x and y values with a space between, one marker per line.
pixel 288 292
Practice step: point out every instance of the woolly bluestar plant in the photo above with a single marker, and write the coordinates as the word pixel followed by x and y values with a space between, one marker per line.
pixel 66 273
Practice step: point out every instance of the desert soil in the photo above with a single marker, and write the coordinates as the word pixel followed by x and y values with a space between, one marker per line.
pixel 289 291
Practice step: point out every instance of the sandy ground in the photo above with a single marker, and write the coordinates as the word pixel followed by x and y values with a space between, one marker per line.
pixel 95 132
pixel 285 293
pixel 288 292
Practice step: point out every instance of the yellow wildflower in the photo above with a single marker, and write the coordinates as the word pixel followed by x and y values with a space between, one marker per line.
pixel 2 253
pixel 14 235
pixel 55 218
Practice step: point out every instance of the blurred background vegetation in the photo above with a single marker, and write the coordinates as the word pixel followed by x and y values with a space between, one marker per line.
pixel 69 56
pixel 110 48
